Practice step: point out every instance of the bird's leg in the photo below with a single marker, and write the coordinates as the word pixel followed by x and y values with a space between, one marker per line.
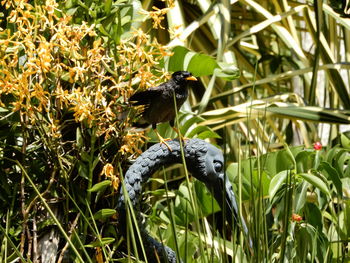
pixel 161 139
pixel 177 131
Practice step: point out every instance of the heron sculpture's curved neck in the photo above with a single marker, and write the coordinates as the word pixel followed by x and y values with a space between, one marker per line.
pixel 204 161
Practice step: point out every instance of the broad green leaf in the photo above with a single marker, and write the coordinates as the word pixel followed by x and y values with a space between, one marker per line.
pixel 185 127
pixel 208 134
pixel 314 215
pixel 276 183
pixel 300 197
pixel 284 161
pixel 305 160
pixel 200 129
pixel 261 181
pixel 183 203
pixel 199 64
pixel 206 201
pixel 333 175
pixel 345 141
pixel 100 186
pixel 316 182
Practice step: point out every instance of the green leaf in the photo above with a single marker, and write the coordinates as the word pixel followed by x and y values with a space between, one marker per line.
pixel 276 183
pixel 3 110
pixel 69 4
pixel 103 30
pixel 206 201
pixel 199 64
pixel 185 127
pixel 208 134
pixel 284 161
pixel 83 170
pixel 100 186
pixel 85 156
pixel 104 213
pixel 80 140
pixel 317 182
pixel 305 160
pixel 203 131
pixel 333 175
pixel 300 197
pixel 345 141
pixel 314 216
pixel 108 5
pixel 71 11
pixel 227 71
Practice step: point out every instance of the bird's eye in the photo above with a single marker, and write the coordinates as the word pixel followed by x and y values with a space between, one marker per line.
pixel 218 166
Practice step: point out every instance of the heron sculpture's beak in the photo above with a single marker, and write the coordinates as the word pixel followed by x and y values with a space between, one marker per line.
pixel 191 78
pixel 224 195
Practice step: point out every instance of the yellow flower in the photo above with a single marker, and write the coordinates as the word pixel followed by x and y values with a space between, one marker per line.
pixel 44 55
pixel 108 171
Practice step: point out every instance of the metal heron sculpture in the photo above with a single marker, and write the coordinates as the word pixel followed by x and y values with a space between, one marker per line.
pixel 204 161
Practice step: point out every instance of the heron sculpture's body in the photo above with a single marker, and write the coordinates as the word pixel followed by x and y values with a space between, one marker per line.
pixel 203 160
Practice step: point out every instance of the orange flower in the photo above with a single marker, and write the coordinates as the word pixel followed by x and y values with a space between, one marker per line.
pixel 108 170
pixel 296 218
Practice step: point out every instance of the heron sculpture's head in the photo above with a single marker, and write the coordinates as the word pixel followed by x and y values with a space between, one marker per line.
pixel 206 162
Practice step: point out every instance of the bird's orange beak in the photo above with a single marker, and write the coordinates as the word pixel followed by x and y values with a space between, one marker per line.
pixel 191 78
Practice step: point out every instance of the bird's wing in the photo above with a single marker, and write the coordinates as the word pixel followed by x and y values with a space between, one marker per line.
pixel 144 97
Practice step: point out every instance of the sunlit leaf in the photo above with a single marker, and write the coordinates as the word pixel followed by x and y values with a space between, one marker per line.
pixel 276 183
pixel 199 64
pixel 316 182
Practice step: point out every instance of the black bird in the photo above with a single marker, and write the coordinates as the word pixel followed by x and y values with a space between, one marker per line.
pixel 159 101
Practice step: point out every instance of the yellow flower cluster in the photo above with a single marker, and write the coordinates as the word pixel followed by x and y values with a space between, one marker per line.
pixel 157 14
pixel 48 66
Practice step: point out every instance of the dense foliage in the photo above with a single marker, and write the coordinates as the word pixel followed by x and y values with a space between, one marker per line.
pixel 273 85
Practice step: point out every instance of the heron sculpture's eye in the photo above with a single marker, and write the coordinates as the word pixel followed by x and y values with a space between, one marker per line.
pixel 218 166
